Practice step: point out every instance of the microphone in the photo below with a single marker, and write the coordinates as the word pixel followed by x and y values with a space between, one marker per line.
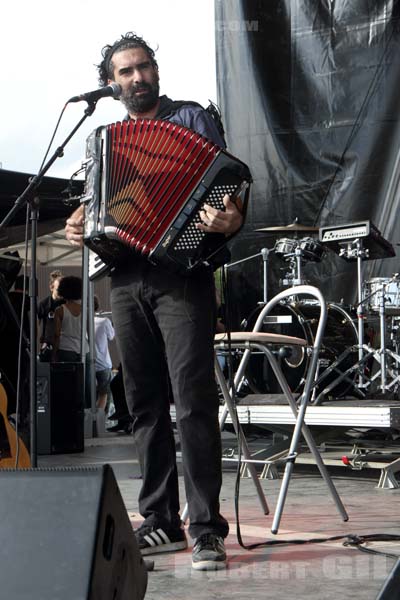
pixel 113 89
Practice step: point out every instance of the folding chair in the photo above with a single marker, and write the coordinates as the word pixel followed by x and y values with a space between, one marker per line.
pixel 267 344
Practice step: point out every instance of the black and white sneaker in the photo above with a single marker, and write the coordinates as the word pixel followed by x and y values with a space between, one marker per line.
pixel 209 553
pixel 153 540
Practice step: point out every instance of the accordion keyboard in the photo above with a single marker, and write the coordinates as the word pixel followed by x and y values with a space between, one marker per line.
pixel 97 268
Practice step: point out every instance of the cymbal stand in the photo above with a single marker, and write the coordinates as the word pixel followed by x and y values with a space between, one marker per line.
pixel 355 249
pixel 350 250
pixel 394 341
pixel 382 324
pixel 382 355
pixel 264 253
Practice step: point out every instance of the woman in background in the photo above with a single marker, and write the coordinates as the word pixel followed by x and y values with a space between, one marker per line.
pixel 68 322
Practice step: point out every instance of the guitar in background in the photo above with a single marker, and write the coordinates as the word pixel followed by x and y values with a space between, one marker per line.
pixel 13 452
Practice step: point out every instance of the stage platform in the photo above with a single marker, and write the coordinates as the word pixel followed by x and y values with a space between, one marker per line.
pixel 326 570
pixel 329 423
pixel 272 409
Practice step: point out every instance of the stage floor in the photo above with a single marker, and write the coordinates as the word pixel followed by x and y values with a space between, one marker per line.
pixel 313 571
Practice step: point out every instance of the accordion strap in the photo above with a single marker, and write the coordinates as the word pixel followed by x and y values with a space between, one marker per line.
pixel 169 107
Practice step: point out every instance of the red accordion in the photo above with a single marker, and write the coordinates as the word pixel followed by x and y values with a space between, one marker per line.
pixel 146 181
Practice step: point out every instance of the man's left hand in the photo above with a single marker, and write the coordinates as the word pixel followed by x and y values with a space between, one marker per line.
pixel 221 221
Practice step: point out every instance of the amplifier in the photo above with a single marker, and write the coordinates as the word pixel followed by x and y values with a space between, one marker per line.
pixel 60 408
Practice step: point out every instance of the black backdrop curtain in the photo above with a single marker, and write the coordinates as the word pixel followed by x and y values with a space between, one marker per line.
pixel 309 92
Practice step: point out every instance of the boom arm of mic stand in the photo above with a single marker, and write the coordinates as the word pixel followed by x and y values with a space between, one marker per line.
pixel 29 196
pixel 28 193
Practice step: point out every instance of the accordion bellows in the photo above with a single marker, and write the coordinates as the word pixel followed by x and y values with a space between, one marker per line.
pixel 146 181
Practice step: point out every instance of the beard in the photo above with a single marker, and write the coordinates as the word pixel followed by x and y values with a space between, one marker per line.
pixel 140 104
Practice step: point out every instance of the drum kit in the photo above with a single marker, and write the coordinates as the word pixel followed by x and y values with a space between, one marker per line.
pixel 361 347
pixel 296 251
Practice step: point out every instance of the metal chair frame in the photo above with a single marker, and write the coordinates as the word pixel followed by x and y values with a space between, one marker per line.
pixel 265 343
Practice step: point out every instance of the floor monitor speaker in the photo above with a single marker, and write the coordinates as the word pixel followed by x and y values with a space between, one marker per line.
pixel 66 535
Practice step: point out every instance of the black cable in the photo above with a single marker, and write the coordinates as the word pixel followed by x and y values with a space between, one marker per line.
pixel 351 540
pixel 53 136
pixel 373 537
pixel 232 390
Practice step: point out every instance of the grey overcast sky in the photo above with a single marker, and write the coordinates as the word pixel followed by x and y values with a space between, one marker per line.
pixel 49 49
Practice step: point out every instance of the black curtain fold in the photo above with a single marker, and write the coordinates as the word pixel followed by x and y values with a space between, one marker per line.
pixel 309 95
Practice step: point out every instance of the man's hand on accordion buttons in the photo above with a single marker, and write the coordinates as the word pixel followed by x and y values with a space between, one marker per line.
pixel 74 227
pixel 221 221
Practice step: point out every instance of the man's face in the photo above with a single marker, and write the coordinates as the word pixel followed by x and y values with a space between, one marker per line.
pixel 138 77
pixel 54 289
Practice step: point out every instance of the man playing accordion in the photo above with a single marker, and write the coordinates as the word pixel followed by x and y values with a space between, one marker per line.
pixel 164 323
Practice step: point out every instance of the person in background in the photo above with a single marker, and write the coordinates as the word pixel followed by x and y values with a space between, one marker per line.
pixel 68 322
pixel 165 324
pixel 45 313
pixel 103 334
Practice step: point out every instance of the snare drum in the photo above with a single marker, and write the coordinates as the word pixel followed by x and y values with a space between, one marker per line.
pixel 311 249
pixel 389 288
pixel 285 246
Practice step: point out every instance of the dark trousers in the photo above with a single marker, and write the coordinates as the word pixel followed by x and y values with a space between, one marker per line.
pixel 121 413
pixel 164 325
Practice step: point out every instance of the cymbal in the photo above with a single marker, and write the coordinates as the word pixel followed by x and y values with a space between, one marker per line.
pixel 292 227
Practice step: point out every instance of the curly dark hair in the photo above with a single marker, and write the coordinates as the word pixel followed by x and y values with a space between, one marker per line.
pixel 129 40
pixel 70 288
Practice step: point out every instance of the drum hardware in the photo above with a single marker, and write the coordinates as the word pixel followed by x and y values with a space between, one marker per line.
pixel 320 364
pixel 338 353
pixel 342 376
pixel 388 359
pixel 348 241
pixel 294 275
pixel 342 237
pixel 384 352
pixel 390 288
pixel 363 241
pixel 297 252
pixel 312 249
pixel 342 380
pixel 395 344
pixel 264 253
pixel 394 333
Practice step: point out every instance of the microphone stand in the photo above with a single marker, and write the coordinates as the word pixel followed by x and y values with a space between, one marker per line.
pixel 29 196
